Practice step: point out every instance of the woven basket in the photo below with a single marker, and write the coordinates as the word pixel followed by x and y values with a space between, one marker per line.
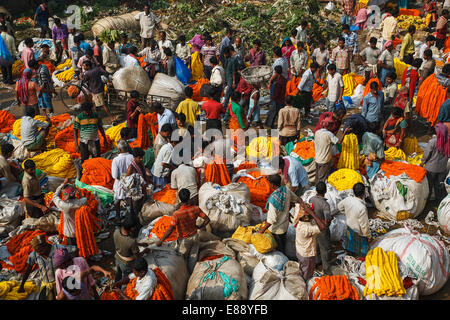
pixel 255 75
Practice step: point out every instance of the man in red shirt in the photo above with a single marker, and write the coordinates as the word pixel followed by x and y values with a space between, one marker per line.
pixel 213 110
pixel 277 100
pixel 245 89
pixel 184 221
pixel 133 112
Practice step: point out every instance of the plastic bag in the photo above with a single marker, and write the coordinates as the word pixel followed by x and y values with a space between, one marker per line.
pixel 131 78
pixel 5 56
pixel 183 72
pixel 166 86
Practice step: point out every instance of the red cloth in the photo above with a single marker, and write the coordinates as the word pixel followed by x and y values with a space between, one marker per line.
pixel 279 93
pixel 244 88
pixel 414 76
pixel 328 117
pixel 213 109
pixel 132 122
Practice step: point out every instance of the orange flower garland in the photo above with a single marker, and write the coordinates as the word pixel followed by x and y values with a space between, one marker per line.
pixel 333 288
pixel 86 224
pixel 161 226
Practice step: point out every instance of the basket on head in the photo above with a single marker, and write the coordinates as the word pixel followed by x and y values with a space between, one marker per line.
pixel 258 74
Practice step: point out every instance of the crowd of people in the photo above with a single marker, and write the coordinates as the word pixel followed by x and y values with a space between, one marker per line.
pixel 384 121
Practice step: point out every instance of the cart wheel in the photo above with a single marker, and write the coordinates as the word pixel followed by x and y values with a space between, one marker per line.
pixel 65 98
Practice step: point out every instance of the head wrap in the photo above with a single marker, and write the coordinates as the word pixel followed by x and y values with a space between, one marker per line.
pixel 387 44
pixel 60 256
pixel 443 141
pixel 23 86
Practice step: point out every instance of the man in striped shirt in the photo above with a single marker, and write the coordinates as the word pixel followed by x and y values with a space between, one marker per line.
pixel 86 126
pixel 340 57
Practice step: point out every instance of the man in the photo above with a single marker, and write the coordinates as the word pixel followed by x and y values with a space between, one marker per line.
pixel 41 17
pixel 32 192
pixel 289 122
pixel 133 112
pixel 6 170
pixel 340 57
pixel 119 168
pixel 27 52
pixel 127 247
pixel 333 118
pixel 131 59
pixel 162 138
pixel 299 60
pixel 184 221
pixel 189 107
pixel 231 74
pixel 356 215
pixel 323 144
pixel 389 28
pixel 76 54
pixel 45 82
pixel 305 87
pixel 208 51
pixel 370 56
pixel 147 21
pixel 93 79
pixel 441 29
pixel 5 23
pixel 98 55
pixel 256 56
pixel 32 138
pixel 217 79
pixel 386 61
pixel 86 126
pixel 110 58
pixel 68 204
pixel 60 34
pixel 164 43
pixel 302 32
pixel 322 211
pixel 306 235
pixel 183 51
pixel 390 89
pixel 357 125
pixel 443 77
pixel 407 48
pixel 163 163
pixel 372 144
pixel 88 56
pixel 185 177
pixel 226 42
pixel 145 281
pixel 373 106
pixel 42 257
pixel 347 11
pixel 244 88
pixel 321 55
pixel 165 115
pixel 351 44
pixel 278 206
pixel 280 60
pixel 11 46
pixel 239 48
pixel 277 99
pixel 213 111
pixel 427 68
pixel 335 86
pixel 293 173
pixel 429 44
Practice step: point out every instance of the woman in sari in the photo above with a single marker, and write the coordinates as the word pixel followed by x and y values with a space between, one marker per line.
pixel 361 19
pixel 394 130
pixel 238 123
pixel 429 7
pixel 286 49
pixel 27 91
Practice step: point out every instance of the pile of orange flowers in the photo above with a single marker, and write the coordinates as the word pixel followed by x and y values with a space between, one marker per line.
pixel 333 288
pixel 161 226
pixel 166 195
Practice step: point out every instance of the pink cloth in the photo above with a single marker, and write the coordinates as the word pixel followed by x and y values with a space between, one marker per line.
pixel 79 265
pixel 387 44
pixel 27 55
pixel 443 141
pixel 197 43
pixel 361 19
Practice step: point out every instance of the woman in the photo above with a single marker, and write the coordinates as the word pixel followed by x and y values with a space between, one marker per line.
pixel 238 123
pixel 434 160
pixel 27 90
pixel 444 111
pixel 286 49
pixel 394 129
pixel 361 19
pixel 410 80
pixel 254 112
pixel 429 7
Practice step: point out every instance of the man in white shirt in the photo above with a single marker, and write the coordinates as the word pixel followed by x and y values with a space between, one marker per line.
pixel 68 206
pixel 147 21
pixel 302 32
pixel 429 44
pixel 11 46
pixel 183 51
pixel 164 115
pixel 305 87
pixel 299 60
pixel 185 177
pixel 280 60
pixel 335 86
pixel 164 43
pixel 119 168
pixel 324 140
pixel 217 74
pixel 321 55
pixel 163 164
pixel 131 59
pixel 357 219
pixel 32 138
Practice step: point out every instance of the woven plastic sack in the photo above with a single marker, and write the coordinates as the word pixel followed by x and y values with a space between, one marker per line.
pixel 131 78
pixel 443 214
pixel 152 210
pixel 124 22
pixel 166 86
pixel 183 72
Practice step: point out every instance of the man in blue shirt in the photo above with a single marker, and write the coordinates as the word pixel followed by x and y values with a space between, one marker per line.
pixel 41 16
pixel 373 105
pixel 226 42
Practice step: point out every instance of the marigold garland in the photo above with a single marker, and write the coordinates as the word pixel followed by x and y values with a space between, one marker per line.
pixel 333 288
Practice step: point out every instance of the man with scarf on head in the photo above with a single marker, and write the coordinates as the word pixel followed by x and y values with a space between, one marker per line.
pixel 434 160
pixel 386 61
pixel 278 206
pixel 68 204
pixel 77 268
pixel 42 256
